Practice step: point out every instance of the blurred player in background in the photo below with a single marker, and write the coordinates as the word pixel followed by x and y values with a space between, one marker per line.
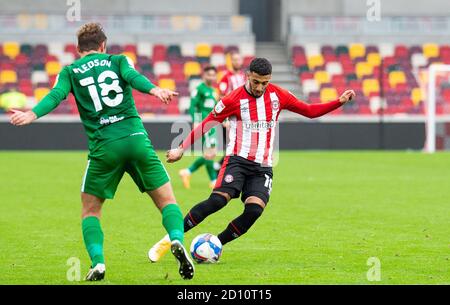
pixel 230 81
pixel 118 142
pixel 253 111
pixel 203 100
pixel 233 78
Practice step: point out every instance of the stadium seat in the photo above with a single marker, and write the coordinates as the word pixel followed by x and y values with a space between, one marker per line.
pixel 430 50
pixel 39 77
pixel 328 94
pixel 341 49
pixel 334 68
pixel 52 67
pixel 192 68
pixel 357 50
pixel 321 77
pixel 309 86
pixel 386 49
pixel 161 67
pixel 66 59
pixel 374 59
pixel 396 77
pixel 11 49
pixel 312 49
pixel 144 48
pixel 203 50
pixel 8 76
pixel 370 86
pixel 39 93
pixel 217 59
pixel 363 69
pixel 401 51
pixel 418 60
pixel 315 61
pixel 71 48
pixel 416 96
pixel 188 49
pixel 159 52
pixel 167 83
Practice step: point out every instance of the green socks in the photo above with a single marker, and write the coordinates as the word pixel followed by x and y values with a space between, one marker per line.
pixel 93 239
pixel 200 161
pixel 173 222
pixel 212 174
pixel 197 164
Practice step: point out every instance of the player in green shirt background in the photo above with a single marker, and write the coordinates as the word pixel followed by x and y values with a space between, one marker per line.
pixel 118 142
pixel 203 100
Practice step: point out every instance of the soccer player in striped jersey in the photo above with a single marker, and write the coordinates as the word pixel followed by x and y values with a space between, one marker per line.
pixel 118 142
pixel 253 111
pixel 233 78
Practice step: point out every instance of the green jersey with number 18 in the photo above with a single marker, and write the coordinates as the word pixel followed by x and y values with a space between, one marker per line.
pixel 102 86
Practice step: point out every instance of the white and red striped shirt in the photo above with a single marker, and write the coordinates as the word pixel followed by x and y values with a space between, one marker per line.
pixel 231 81
pixel 253 120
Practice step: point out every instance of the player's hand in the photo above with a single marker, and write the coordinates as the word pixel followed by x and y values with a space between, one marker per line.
pixel 348 95
pixel 226 124
pixel 165 95
pixel 19 118
pixel 174 155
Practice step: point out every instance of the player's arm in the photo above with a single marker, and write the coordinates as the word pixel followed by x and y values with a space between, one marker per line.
pixel 59 93
pixel 196 99
pixel 142 83
pixel 316 110
pixel 221 111
pixel 223 86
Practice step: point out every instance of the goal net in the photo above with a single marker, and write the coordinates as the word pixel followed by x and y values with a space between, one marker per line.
pixel 437 107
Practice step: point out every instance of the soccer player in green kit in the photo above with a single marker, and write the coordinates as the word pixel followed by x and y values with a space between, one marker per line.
pixel 118 142
pixel 203 100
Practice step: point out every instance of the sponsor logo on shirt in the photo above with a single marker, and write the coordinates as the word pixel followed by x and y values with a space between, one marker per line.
pixel 110 120
pixel 259 125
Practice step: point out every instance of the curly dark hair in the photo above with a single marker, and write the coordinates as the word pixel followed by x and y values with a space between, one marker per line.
pixel 209 68
pixel 261 66
pixel 90 36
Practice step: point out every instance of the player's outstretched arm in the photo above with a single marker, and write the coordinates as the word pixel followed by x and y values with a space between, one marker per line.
pixel 209 122
pixel 59 93
pixel 317 110
pixel 142 83
pixel 164 95
pixel 19 118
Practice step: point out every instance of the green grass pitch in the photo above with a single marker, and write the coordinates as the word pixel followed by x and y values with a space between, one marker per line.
pixel 329 213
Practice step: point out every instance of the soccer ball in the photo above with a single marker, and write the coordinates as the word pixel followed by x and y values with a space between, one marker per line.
pixel 206 248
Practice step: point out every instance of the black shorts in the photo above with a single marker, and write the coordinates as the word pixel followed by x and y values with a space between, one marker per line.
pixel 239 175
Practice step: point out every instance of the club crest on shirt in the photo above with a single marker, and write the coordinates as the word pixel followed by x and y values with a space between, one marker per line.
pixel 229 178
pixel 275 104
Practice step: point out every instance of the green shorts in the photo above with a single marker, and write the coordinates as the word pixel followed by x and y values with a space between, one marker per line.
pixel 134 155
pixel 209 139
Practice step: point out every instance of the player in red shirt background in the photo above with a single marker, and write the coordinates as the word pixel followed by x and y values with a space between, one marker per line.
pixel 233 78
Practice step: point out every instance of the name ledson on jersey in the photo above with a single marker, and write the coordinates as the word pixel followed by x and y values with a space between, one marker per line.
pixel 91 64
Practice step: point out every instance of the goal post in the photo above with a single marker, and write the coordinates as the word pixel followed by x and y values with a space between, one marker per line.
pixel 430 119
